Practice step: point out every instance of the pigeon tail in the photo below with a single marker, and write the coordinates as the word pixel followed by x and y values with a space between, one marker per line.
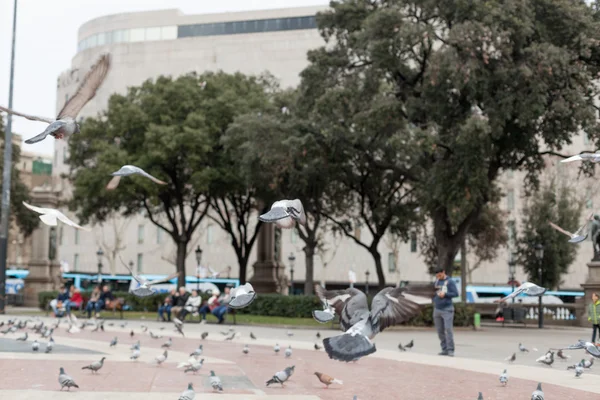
pixel 322 316
pixel 339 382
pixel 346 347
pixel 273 380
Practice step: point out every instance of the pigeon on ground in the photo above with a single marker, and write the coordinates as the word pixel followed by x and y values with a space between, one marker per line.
pixel 135 354
pixel 327 380
pixel 389 307
pixel 523 349
pixel 530 289
pixel 242 296
pixel 576 237
pixel 188 394
pixel 318 335
pixel 144 328
pixel 127 170
pixel 231 336
pixel 511 358
pixel 225 333
pixel 136 345
pixel 35 346
pixel 561 355
pixel 65 380
pixel 276 348
pixel 215 382
pixel 410 344
pixel 153 336
pixel 578 371
pixel 504 378
pixel 198 351
pixel 65 124
pixel 589 347
pixel 178 326
pixel 124 324
pixel 284 212
pixel 324 316
pixel 317 347
pixel 161 358
pixel 246 350
pixel 167 344
pixel 131 334
pixel 50 217
pixel 538 394
pixel 50 345
pixel 281 376
pixel 400 347
pixel 290 334
pixel 194 366
pixel 547 359
pixel 96 365
pixel 480 397
pixel 144 289
pixel 288 352
pixel 113 342
pixel 23 338
pixel 592 157
pixel 252 336
pixel 204 335
pixel 588 364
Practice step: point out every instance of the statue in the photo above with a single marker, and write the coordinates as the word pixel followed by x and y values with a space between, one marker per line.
pixel 595 234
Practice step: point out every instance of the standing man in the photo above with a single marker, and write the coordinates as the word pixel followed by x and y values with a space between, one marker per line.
pixel 443 311
pixel 594 315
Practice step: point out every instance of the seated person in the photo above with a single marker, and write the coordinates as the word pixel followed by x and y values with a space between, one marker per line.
pixel 76 299
pixel 179 300
pixel 166 306
pixel 105 301
pixel 92 303
pixel 191 305
pixel 60 301
pixel 217 305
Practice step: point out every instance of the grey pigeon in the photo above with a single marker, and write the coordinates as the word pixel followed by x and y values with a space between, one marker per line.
pixel 290 334
pixel 23 338
pixel 50 345
pixel 204 335
pixel 35 346
pixel 281 376
pixel 400 347
pixel 188 394
pixel 161 358
pixel 579 364
pixel 576 237
pixel 195 367
pixel 153 336
pixel 480 397
pixel 504 378
pixel 65 380
pixel 538 394
pixel 135 354
pixel 127 170
pixel 245 350
pixel 288 352
pixel 512 358
pixel 530 289
pixel 65 124
pixel 167 344
pixel 231 336
pixel 592 157
pixel 324 316
pixel 589 347
pixel 95 366
pixel 252 336
pixel 144 289
pixel 389 307
pixel 113 342
pixel 178 326
pixel 215 382
pixel 198 351
pixel 410 344
pixel 284 212
pixel 578 371
pixel 276 348
pixel 48 333
pixel 523 349
pixel 242 296
pixel 134 346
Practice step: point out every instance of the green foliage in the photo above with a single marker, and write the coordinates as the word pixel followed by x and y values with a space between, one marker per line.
pixel 463 316
pixel 283 306
pixel 556 203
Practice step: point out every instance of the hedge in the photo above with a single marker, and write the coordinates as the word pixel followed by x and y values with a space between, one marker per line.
pixel 272 305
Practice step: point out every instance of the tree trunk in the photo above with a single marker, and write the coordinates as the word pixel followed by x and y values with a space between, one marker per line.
pixel 180 262
pixel 309 252
pixel 243 264
pixel 378 267
pixel 446 253
pixel 463 271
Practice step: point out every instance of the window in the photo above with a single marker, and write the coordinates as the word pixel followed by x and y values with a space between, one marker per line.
pixel 159 235
pixel 120 36
pixel 586 138
pixel 294 235
pixel 168 32
pixel 510 200
pixel 209 234
pixel 60 235
pixel 102 38
pixel 589 198
pixel 140 261
pixel 137 35
pixel 140 234
pixel 512 234
pixel 391 262
pixel 153 33
pixel 413 242
pixel 92 41
pixel 76 236
pixel 76 262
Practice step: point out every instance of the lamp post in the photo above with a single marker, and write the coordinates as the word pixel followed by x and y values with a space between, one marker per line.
pixel 512 267
pixel 292 259
pixel 367 282
pixel 539 254
pixel 198 259
pixel 99 254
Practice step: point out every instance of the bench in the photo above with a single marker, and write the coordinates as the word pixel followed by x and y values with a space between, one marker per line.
pixel 230 311
pixel 515 315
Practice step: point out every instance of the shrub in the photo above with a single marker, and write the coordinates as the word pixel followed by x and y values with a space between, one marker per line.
pixel 277 305
pixel 463 316
pixel 44 298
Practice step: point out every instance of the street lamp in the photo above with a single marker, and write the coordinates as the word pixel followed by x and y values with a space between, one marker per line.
pixel 512 269
pixel 100 254
pixel 292 259
pixel 539 254
pixel 198 259
pixel 367 282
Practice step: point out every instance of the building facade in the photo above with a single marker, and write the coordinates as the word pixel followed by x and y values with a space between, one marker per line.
pixel 168 42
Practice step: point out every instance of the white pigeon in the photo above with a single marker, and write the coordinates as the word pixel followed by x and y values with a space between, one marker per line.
pixel 161 358
pixel 576 237
pixel 246 349
pixel 144 290
pixel 65 125
pixel 504 378
pixel 242 296
pixel 324 316
pixel 215 382
pixel 198 351
pixel 276 348
pixel 50 217
pixel 50 345
pixel 188 394
pixel 187 363
pixel 195 366
pixel 530 289
pixel 284 212
pixel 127 170
pixel 288 352
pixel 578 371
pixel 135 354
pixel 592 157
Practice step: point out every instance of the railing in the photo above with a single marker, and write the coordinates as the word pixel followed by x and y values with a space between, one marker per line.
pixel 554 314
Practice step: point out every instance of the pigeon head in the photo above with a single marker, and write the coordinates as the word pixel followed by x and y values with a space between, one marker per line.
pixel 102 359
pixel 62 370
pixel 539 387
pixel 212 373
pixel 190 386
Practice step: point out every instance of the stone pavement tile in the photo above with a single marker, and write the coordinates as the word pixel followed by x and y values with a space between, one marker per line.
pixel 35 395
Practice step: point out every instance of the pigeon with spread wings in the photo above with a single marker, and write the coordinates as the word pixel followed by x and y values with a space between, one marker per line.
pixel 593 157
pixel 389 307
pixel 576 237
pixel 284 212
pixel 242 296
pixel 144 289
pixel 51 217
pixel 530 289
pixel 65 125
pixel 589 347
pixel 127 170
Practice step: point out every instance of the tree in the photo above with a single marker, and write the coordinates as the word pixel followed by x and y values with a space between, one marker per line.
pixel 558 204
pixel 113 248
pixel 479 87
pixel 26 220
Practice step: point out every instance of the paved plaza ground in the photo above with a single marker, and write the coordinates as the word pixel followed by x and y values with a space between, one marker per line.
pixel 388 374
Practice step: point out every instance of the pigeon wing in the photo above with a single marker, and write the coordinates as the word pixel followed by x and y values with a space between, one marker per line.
pixel 390 307
pixel 582 227
pixel 64 219
pixel 593 350
pixel 113 183
pixel 576 157
pixel 167 279
pixel 87 89
pixel 296 204
pixel 134 276
pixel 37 209
pixel 153 179
pixel 349 304
pixel 29 117
pixel 517 292
pixel 561 230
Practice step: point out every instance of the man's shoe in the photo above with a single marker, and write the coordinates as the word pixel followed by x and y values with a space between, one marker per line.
pixel 443 353
pixel 202 321
pixel 450 354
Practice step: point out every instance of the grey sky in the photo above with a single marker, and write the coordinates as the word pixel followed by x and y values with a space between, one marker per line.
pixel 47 41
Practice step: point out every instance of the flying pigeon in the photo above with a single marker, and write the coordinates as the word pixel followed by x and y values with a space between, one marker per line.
pixel 96 365
pixel 588 364
pixel 143 290
pixel 246 350
pixel 161 358
pixel 576 237
pixel 284 212
pixel 504 378
pixel 242 296
pixel 65 124
pixel 281 376
pixel 198 351
pixel 592 157
pixel 195 366
pixel 35 346
pixel 167 344
pixel 578 371
pixel 51 217
pixel 538 394
pixel 204 335
pixel 288 352
pixel 23 338
pixel 276 348
pixel 188 394
pixel 389 307
pixel 65 380
pixel 530 289
pixel 327 380
pixel 127 170
pixel 324 316
pixel 113 342
pixel 252 336
pixel 522 348
pixel 50 345
pixel 589 347
pixel 215 382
